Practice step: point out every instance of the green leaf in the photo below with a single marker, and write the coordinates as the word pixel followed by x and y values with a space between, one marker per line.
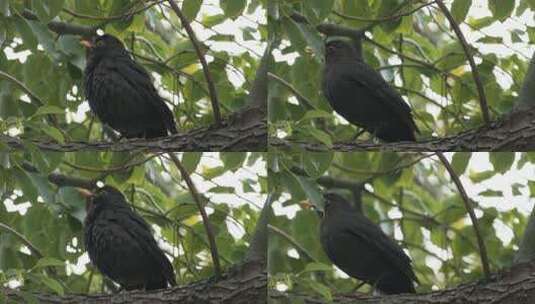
pixel 233 160
pixel 459 9
pixel 47 10
pixel 48 261
pixel 311 190
pixel 24 29
pixel 53 284
pixel 232 8
pixel 314 267
pixel 317 10
pixel 190 8
pixel 502 161
pixel 501 9
pixel 460 161
pixel 315 164
pixel 190 160
pixel 314 114
pixel 490 192
pixel 44 110
pixel 54 133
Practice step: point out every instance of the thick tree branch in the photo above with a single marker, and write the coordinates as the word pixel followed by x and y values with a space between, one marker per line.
pixel 527 94
pixel 237 287
pixel 259 91
pixel 471 213
pixel 63 28
pixel 206 221
pixel 526 250
pixel 204 64
pixel 512 286
pixel 244 131
pixel 514 132
pixel 475 71
pixel 258 247
pixel 61 180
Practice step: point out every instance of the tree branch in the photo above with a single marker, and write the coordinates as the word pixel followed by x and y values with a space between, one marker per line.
pixel 258 247
pixel 63 28
pixel 514 132
pixel 470 210
pixel 511 286
pixel 475 72
pixel 235 288
pixel 205 219
pixel 236 134
pixel 527 93
pixel 526 250
pixel 204 64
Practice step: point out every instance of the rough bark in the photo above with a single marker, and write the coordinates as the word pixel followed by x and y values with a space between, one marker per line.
pixel 244 131
pixel 243 285
pixel 515 285
pixel 514 132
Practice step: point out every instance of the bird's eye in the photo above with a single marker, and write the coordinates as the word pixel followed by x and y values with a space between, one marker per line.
pixel 100 43
pixel 331 49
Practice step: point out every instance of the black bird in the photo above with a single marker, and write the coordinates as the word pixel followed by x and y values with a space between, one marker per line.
pixel 120 243
pixel 121 92
pixel 362 250
pixel 360 94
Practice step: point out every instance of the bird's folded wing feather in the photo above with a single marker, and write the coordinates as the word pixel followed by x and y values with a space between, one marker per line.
pixel 140 231
pixel 368 231
pixel 140 78
pixel 370 78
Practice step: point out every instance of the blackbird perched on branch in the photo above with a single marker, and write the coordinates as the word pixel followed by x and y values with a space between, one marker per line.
pixel 120 243
pixel 121 92
pixel 360 248
pixel 360 94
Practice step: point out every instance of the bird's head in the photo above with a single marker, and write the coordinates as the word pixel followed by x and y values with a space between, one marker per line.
pixel 98 46
pixel 340 50
pixel 336 202
pixel 106 196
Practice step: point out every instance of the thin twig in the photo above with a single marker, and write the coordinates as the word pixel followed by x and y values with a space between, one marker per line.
pixel 475 72
pixel 206 221
pixel 470 210
pixel 304 100
pixel 23 239
pixel 383 19
pixel 210 82
pixel 111 18
pixel 292 241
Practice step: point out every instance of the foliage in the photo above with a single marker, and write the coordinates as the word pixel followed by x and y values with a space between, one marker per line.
pixel 51 217
pixel 438 83
pixel 413 199
pixel 50 66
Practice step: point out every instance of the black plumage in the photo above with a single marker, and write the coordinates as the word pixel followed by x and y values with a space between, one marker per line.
pixel 121 245
pixel 360 94
pixel 121 92
pixel 360 248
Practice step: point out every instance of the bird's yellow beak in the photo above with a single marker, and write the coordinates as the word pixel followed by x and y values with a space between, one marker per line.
pixel 86 43
pixel 85 193
pixel 306 204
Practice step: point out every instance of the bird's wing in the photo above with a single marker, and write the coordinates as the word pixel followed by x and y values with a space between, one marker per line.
pixel 140 231
pixel 364 75
pixel 140 78
pixel 370 233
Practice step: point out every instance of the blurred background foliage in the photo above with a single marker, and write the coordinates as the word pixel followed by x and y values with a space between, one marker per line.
pixel 438 84
pixel 50 66
pixel 49 218
pixel 412 198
